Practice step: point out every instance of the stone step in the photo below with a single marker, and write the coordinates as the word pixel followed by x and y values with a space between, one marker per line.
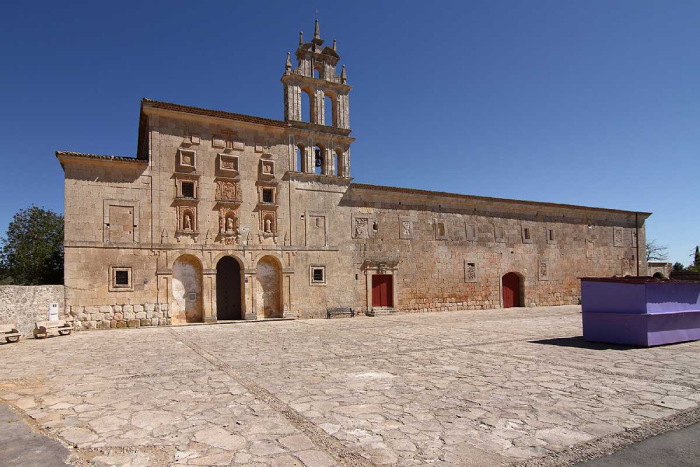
pixel 382 311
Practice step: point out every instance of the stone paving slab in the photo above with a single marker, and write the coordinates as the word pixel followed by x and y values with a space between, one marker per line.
pixel 457 388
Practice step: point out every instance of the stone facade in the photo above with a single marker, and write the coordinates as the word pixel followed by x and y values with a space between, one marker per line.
pixel 25 305
pixel 227 216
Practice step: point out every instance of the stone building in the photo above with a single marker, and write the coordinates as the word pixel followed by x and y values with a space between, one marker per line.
pixel 223 216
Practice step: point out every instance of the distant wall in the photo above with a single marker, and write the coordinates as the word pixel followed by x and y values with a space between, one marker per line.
pixel 25 305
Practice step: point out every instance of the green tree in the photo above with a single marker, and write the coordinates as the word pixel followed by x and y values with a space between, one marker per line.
pixel 678 267
pixel 696 261
pixel 32 250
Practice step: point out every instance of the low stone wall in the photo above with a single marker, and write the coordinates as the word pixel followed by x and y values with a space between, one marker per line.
pixel 118 316
pixel 25 305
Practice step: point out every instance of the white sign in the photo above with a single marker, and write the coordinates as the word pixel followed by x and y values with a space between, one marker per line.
pixel 53 311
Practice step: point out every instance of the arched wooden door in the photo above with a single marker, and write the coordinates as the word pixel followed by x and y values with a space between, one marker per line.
pixel 511 290
pixel 228 289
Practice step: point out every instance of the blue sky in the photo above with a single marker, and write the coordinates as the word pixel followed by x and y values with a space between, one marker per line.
pixel 594 103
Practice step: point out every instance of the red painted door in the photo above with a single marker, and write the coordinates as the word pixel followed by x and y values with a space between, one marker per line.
pixel 382 293
pixel 511 290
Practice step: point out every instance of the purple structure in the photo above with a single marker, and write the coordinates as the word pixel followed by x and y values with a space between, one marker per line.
pixel 640 310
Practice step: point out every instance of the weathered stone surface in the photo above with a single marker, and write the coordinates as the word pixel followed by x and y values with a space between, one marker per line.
pixel 455 388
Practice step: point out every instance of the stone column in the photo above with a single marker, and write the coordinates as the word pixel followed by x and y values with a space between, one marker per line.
pixel 209 295
pixel 249 296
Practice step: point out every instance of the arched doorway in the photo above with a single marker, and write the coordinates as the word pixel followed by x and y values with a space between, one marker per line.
pixel 228 289
pixel 512 290
pixel 186 306
pixel 268 290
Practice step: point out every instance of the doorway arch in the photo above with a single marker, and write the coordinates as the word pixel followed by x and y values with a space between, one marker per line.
pixel 512 290
pixel 187 290
pixel 229 289
pixel 268 290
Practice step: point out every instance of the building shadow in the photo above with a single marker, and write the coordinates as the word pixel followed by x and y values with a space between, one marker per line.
pixel 580 343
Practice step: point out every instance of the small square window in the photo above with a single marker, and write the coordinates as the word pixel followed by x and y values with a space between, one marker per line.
pixel 551 236
pixel 192 296
pixel 268 195
pixel 440 230
pixel 121 278
pixel 527 235
pixel 187 189
pixel 318 275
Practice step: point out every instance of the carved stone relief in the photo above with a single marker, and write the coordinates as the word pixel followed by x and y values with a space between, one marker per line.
pixel 227 191
pixel 618 236
pixel 543 271
pixel 470 274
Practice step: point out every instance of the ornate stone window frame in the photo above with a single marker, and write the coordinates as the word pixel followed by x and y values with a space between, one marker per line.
pixel 123 203
pixel 312 270
pixel 179 179
pixel 261 195
pixel 113 286
pixel 228 163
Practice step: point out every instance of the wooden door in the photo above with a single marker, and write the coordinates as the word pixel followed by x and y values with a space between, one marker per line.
pixel 511 290
pixel 382 291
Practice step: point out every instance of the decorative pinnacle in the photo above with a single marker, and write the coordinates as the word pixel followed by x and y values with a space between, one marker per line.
pixel 317 35
pixel 288 65
pixel 343 76
pixel 301 38
pixel 334 45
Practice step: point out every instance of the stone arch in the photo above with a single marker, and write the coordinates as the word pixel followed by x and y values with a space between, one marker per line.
pixel 513 290
pixel 268 287
pixel 300 155
pixel 311 98
pixel 319 164
pixel 330 109
pixel 186 300
pixel 230 288
pixel 338 163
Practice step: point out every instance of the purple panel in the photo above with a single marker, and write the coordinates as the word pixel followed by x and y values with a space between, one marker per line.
pixel 645 330
pixel 672 297
pixel 616 328
pixel 612 297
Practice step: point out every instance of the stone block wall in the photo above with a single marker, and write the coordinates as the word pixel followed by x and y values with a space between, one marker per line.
pixel 25 305
pixel 118 316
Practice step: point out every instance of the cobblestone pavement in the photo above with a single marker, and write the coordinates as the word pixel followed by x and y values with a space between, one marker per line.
pixel 458 388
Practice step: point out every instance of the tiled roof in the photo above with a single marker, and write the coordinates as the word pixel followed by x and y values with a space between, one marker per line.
pixel 361 186
pixel 101 157
pixel 212 113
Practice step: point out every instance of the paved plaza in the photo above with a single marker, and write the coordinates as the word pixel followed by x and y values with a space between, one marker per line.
pixel 455 388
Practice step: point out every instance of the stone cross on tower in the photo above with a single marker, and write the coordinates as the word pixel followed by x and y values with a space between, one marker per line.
pixel 316 75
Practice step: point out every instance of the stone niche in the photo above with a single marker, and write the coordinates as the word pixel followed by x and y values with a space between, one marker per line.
pixel 229 226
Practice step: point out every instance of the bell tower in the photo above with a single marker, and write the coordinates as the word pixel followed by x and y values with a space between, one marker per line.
pixel 319 144
pixel 316 76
